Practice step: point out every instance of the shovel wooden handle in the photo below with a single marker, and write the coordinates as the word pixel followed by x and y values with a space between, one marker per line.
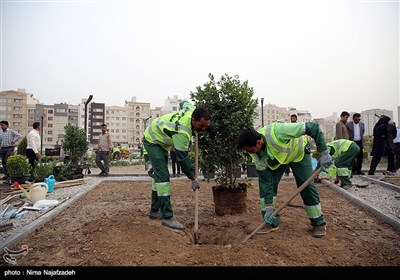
pixel 196 192
pixel 293 195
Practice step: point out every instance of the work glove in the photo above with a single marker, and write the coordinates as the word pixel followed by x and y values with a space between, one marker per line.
pixel 325 160
pixel 267 214
pixel 195 185
pixel 268 219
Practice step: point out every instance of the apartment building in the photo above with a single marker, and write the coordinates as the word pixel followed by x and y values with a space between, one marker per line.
pixel 14 109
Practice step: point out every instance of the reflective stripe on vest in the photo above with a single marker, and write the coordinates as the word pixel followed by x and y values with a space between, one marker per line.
pixel 340 146
pixel 180 122
pixel 284 153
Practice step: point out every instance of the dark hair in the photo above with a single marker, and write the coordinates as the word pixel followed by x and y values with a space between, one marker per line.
pixel 356 115
pixel 344 114
pixel 247 138
pixel 4 122
pixel 293 115
pixel 103 125
pixel 199 113
pixel 36 125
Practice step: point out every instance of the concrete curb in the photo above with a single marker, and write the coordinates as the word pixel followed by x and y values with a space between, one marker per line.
pixel 386 217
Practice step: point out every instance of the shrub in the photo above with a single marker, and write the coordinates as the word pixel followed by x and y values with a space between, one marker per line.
pixel 42 171
pixel 18 165
pixel 232 108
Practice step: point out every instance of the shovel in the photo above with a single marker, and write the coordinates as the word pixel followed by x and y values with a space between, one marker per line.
pixel 293 195
pixel 196 192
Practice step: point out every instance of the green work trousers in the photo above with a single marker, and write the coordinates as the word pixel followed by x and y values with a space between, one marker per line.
pixel 161 187
pixel 344 164
pixel 302 170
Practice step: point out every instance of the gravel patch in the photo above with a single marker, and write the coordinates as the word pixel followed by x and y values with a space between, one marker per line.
pixel 383 198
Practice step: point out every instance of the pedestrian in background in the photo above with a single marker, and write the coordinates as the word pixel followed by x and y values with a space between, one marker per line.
pixel 379 142
pixel 356 130
pixel 103 150
pixel 396 142
pixel 34 143
pixel 341 129
pixel 176 168
pixel 8 139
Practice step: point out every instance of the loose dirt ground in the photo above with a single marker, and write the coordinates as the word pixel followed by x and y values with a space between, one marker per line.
pixel 110 227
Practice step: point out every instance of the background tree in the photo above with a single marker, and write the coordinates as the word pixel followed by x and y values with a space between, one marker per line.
pixel 75 144
pixel 232 108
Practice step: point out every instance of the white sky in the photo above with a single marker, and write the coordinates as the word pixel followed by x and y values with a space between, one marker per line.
pixel 321 56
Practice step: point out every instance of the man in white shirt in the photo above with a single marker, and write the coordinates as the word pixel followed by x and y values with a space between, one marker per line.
pixel 356 132
pixel 34 143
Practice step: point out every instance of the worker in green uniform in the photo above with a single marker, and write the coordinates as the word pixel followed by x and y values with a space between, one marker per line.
pixel 172 131
pixel 343 152
pixel 273 148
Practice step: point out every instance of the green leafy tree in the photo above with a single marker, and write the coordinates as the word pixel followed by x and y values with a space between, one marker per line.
pixel 75 144
pixel 232 108
pixel 21 150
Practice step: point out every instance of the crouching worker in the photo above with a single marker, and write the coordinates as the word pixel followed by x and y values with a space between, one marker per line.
pixel 171 131
pixel 275 147
pixel 343 152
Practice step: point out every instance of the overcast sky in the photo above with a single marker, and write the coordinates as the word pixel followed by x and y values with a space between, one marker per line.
pixel 321 56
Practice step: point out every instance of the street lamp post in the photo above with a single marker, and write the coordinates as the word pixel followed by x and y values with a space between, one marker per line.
pixel 262 111
pixel 145 121
pixel 86 105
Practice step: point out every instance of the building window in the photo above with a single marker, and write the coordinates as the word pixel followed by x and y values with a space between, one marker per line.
pixel 18 100
pixel 49 118
pixel 17 116
pixel 50 125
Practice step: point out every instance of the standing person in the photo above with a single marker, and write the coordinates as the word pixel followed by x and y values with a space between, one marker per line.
pixel 396 142
pixel 176 168
pixel 293 119
pixel 389 148
pixel 8 139
pixel 34 143
pixel 381 134
pixel 172 131
pixel 341 129
pixel 343 152
pixel 356 130
pixel 103 150
pixel 274 147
